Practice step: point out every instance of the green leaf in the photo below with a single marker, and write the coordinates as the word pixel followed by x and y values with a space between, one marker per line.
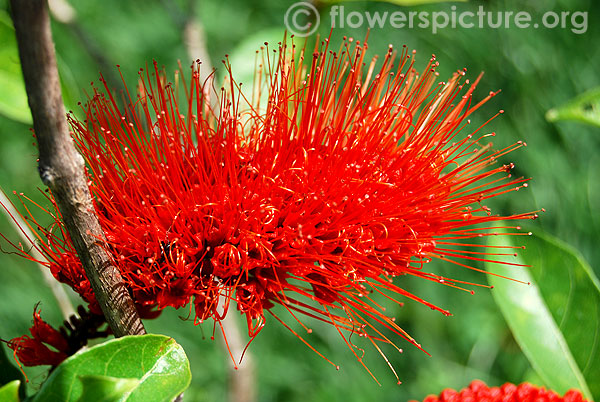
pixel 157 363
pixel 584 108
pixel 106 389
pixel 10 392
pixel 556 319
pixel 13 102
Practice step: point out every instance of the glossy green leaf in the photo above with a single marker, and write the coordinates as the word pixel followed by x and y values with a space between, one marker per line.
pixel 584 108
pixel 13 102
pixel 556 319
pixel 10 392
pixel 106 389
pixel 157 363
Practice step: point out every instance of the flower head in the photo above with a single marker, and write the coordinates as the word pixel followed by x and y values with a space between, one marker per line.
pixel 312 192
pixel 69 338
pixel 478 391
pixel 35 350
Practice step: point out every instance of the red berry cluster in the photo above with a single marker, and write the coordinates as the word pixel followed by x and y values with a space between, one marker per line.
pixel 478 391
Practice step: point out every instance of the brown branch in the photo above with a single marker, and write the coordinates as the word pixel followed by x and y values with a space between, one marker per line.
pixel 61 168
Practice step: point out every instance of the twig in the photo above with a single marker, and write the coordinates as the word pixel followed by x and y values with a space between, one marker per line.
pixel 195 42
pixel 64 13
pixel 192 34
pixel 21 227
pixel 242 379
pixel 61 167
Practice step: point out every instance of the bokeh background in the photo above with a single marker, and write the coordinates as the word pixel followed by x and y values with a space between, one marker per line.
pixel 536 69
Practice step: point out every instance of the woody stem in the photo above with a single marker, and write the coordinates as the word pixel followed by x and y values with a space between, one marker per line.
pixel 61 168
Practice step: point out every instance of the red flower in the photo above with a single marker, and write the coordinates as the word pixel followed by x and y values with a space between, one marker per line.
pixel 479 392
pixel 34 351
pixel 313 198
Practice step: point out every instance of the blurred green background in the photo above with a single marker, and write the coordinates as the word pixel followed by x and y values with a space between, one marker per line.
pixel 536 69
